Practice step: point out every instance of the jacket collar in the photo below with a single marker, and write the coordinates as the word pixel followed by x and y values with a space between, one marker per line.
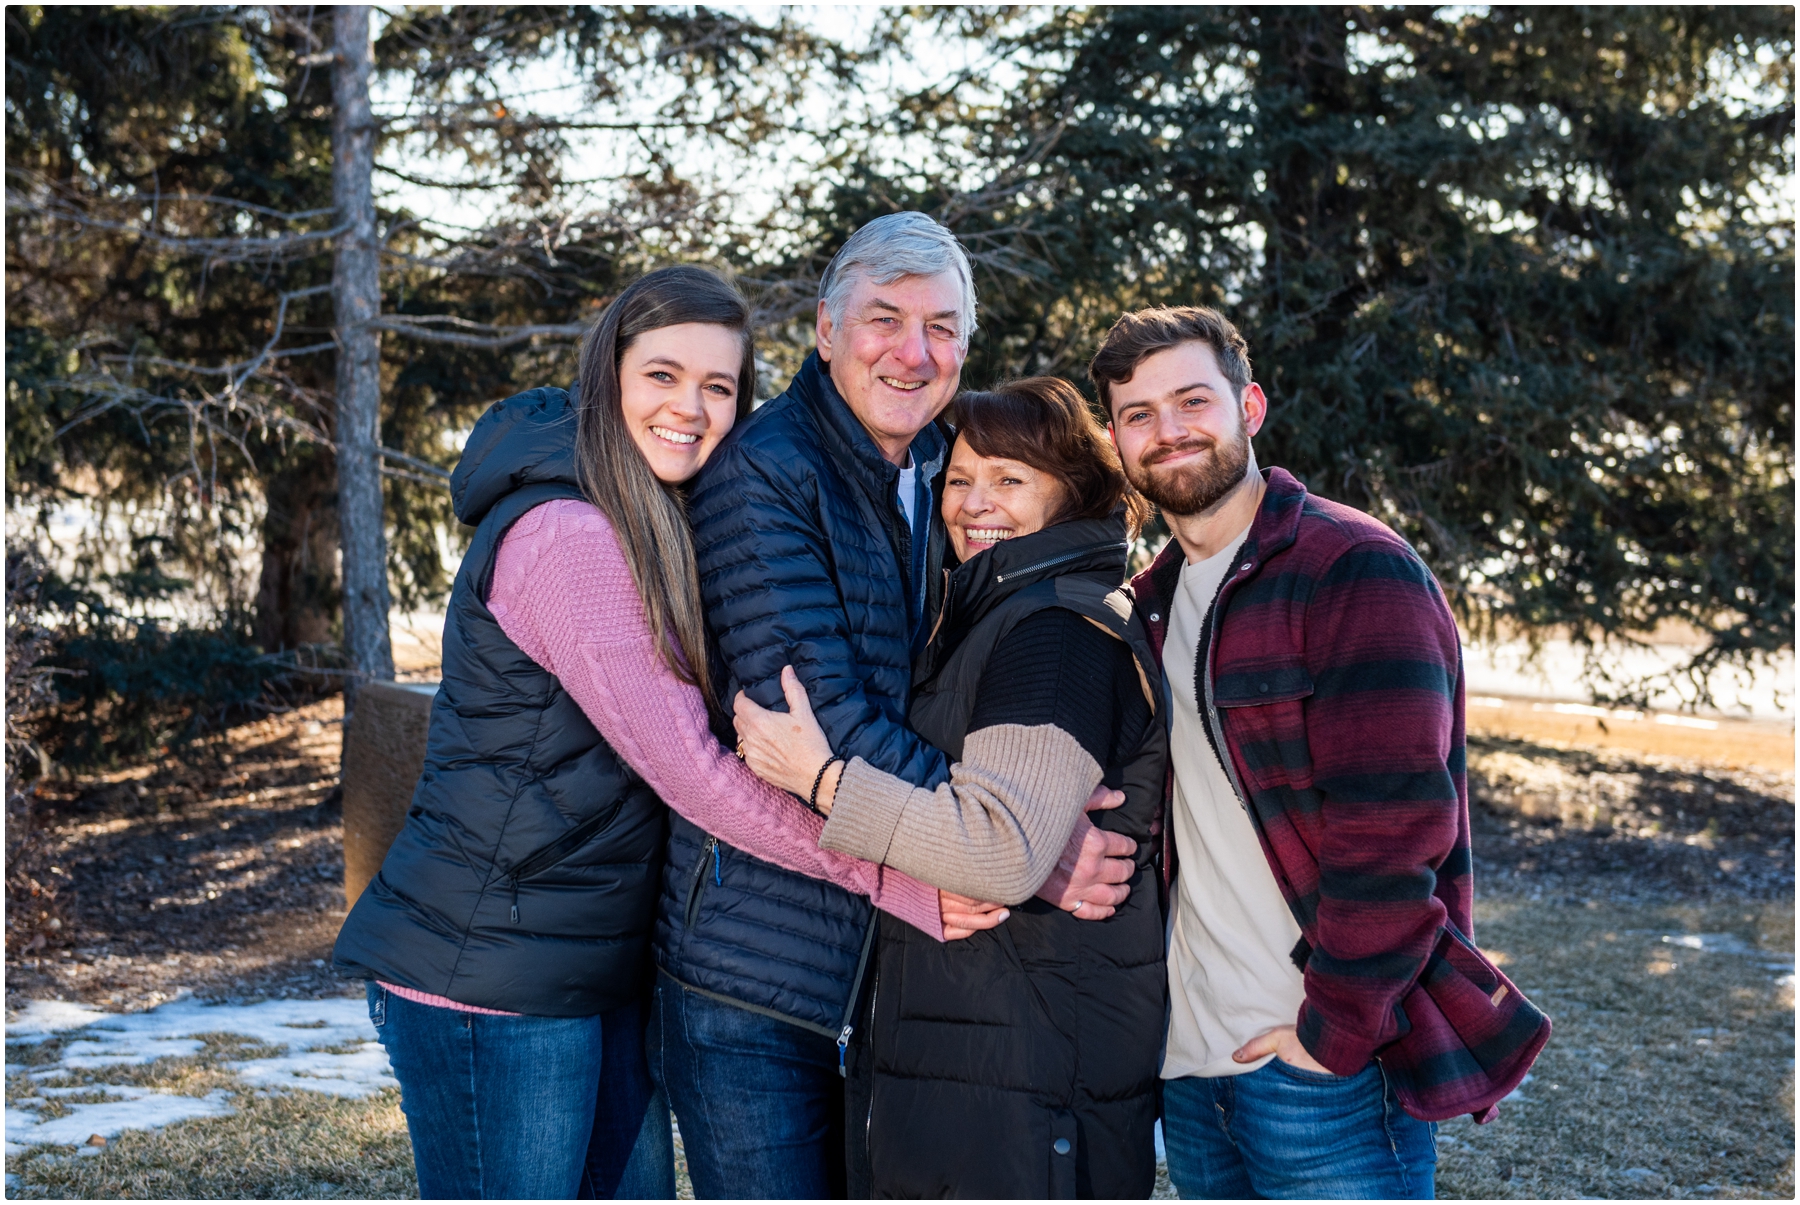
pixel 1275 527
pixel 987 579
pixel 846 435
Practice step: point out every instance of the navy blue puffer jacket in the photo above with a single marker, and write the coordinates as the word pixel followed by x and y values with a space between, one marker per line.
pixel 802 551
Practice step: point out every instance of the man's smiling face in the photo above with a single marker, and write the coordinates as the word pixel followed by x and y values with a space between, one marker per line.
pixel 1182 431
pixel 897 356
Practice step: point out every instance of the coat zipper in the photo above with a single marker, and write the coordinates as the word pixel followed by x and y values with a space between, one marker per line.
pixel 862 964
pixel 869 1118
pixel 1059 560
pixel 557 850
pixel 697 883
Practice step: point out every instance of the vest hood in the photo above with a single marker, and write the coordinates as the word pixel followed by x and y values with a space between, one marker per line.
pixel 528 439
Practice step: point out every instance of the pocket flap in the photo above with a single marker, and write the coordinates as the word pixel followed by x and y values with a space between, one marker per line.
pixel 1251 686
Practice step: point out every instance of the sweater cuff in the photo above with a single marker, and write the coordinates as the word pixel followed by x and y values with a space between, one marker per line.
pixel 1338 1050
pixel 907 899
pixel 865 812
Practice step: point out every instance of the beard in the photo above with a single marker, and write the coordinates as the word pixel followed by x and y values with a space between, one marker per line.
pixel 1197 486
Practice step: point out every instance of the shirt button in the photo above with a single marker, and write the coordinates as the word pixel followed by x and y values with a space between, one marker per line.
pixel 1155 618
pixel 1264 688
pixel 1245 567
pixel 1060 1146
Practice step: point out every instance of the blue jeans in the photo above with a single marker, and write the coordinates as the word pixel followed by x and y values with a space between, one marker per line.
pixel 504 1108
pixel 1281 1132
pixel 760 1101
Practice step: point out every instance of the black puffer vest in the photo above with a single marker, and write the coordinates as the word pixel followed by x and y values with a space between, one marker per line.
pixel 526 874
pixel 1022 1062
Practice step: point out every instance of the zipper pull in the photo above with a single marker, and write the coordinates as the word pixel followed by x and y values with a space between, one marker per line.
pixel 714 842
pixel 843 1046
pixel 515 900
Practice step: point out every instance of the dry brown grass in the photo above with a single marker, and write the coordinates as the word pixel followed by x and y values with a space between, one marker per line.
pixel 299 1145
pixel 276 1145
pixel 1670 1072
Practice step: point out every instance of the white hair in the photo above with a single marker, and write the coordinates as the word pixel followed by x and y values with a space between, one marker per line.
pixel 893 246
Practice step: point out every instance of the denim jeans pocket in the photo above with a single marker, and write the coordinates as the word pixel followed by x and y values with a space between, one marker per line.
pixel 1320 1079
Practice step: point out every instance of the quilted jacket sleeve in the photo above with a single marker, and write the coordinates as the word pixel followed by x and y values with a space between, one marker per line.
pixel 770 581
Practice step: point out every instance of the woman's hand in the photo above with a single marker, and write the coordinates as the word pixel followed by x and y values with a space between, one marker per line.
pixel 965 917
pixel 785 751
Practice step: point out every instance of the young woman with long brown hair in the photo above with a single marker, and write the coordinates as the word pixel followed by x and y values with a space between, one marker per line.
pixel 505 939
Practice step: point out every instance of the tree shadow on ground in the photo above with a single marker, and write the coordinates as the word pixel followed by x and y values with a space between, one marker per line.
pixel 1582 822
pixel 219 870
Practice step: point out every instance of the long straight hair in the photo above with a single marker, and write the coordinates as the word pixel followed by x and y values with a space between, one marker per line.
pixel 647 515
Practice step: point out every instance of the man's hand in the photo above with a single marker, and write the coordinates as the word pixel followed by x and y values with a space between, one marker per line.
pixel 1089 877
pixel 1284 1043
pixel 964 917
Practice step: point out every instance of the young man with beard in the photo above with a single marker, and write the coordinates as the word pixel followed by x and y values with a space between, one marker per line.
pixel 1318 839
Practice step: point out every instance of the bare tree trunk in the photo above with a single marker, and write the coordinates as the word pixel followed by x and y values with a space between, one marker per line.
pixel 297 597
pixel 356 292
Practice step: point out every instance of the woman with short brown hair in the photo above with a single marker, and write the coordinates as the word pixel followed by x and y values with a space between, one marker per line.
pixel 1021 1062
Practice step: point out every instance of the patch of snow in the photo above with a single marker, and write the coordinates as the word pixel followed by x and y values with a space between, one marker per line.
pixel 359 1073
pixel 110 1118
pixel 41 1018
pixel 1710 943
pixel 116 1091
pixel 300 1033
pixel 112 1052
pixel 173 1029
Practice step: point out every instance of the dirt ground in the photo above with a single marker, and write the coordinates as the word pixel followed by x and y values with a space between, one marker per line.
pixel 1670 1073
pixel 220 871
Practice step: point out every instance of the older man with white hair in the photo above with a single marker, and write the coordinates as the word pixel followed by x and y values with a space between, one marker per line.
pixel 820 546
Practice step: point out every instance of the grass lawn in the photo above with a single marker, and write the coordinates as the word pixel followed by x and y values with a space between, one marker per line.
pixel 1670 1069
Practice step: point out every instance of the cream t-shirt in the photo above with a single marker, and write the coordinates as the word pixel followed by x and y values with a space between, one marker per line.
pixel 1230 973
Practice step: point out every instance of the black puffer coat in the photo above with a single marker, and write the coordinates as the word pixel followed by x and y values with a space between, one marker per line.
pixel 802 552
pixel 1022 1062
pixel 525 876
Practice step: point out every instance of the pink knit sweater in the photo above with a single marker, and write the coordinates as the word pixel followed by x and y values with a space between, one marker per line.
pixel 563 593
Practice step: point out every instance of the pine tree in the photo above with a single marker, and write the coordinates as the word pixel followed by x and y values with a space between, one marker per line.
pixel 1519 281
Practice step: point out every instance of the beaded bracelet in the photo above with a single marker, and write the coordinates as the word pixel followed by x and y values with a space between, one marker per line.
pixel 812 801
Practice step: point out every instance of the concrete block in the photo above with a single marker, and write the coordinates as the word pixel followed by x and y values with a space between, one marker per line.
pixel 384 752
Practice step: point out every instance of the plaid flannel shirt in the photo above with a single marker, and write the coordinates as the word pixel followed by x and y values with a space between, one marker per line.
pixel 1331 671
